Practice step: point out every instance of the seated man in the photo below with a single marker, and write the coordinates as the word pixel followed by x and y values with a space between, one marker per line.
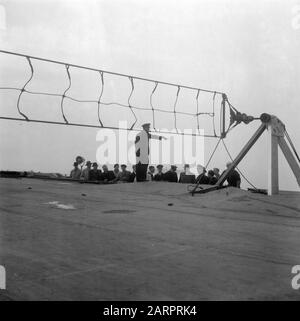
pixel 187 176
pixel 85 175
pixel 171 175
pixel 132 174
pixel 234 178
pixel 202 178
pixel 217 172
pixel 150 174
pixel 95 173
pixel 76 172
pixel 116 170
pixel 107 176
pixel 124 175
pixel 159 175
pixel 212 180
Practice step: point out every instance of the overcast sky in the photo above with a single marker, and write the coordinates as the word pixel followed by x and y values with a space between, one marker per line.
pixel 248 49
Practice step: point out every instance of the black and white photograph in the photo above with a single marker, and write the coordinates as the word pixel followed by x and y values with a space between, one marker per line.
pixel 149 152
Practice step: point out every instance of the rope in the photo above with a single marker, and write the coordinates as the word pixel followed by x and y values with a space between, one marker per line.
pixel 174 110
pixel 132 89
pixel 212 154
pixel 63 95
pixel 213 118
pixel 196 186
pixel 23 89
pixel 151 104
pixel 99 100
pixel 197 102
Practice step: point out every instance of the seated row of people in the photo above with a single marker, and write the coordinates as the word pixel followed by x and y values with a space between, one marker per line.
pixel 211 178
pixel 185 177
pixel 92 173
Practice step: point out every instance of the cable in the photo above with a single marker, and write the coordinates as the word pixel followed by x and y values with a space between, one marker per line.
pixel 107 72
pixel 93 126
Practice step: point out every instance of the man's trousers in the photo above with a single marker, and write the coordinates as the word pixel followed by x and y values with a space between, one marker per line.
pixel 141 172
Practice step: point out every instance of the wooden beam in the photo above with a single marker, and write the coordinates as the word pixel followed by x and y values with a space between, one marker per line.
pixel 273 184
pixel 294 165
pixel 242 153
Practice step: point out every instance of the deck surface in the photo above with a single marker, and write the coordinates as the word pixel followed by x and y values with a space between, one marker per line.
pixel 145 241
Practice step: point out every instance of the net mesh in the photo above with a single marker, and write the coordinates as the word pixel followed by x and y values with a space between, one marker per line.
pixel 41 90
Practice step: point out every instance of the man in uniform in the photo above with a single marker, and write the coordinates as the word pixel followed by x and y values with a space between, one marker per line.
pixel 159 175
pixel 142 151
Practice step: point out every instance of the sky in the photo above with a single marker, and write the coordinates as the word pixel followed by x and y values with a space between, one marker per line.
pixel 248 49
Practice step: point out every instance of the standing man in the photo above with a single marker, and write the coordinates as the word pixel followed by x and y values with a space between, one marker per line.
pixel 142 151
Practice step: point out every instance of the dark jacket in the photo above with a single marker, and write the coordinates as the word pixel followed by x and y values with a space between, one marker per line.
pixel 95 176
pixel 212 180
pixel 202 179
pixel 132 177
pixel 170 176
pixel 158 177
pixel 233 178
pixel 184 178
pixel 107 176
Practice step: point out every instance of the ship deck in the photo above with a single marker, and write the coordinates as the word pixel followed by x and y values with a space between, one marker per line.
pixel 145 241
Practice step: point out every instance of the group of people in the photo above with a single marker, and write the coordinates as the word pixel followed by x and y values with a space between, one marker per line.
pixel 141 171
pixel 92 173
